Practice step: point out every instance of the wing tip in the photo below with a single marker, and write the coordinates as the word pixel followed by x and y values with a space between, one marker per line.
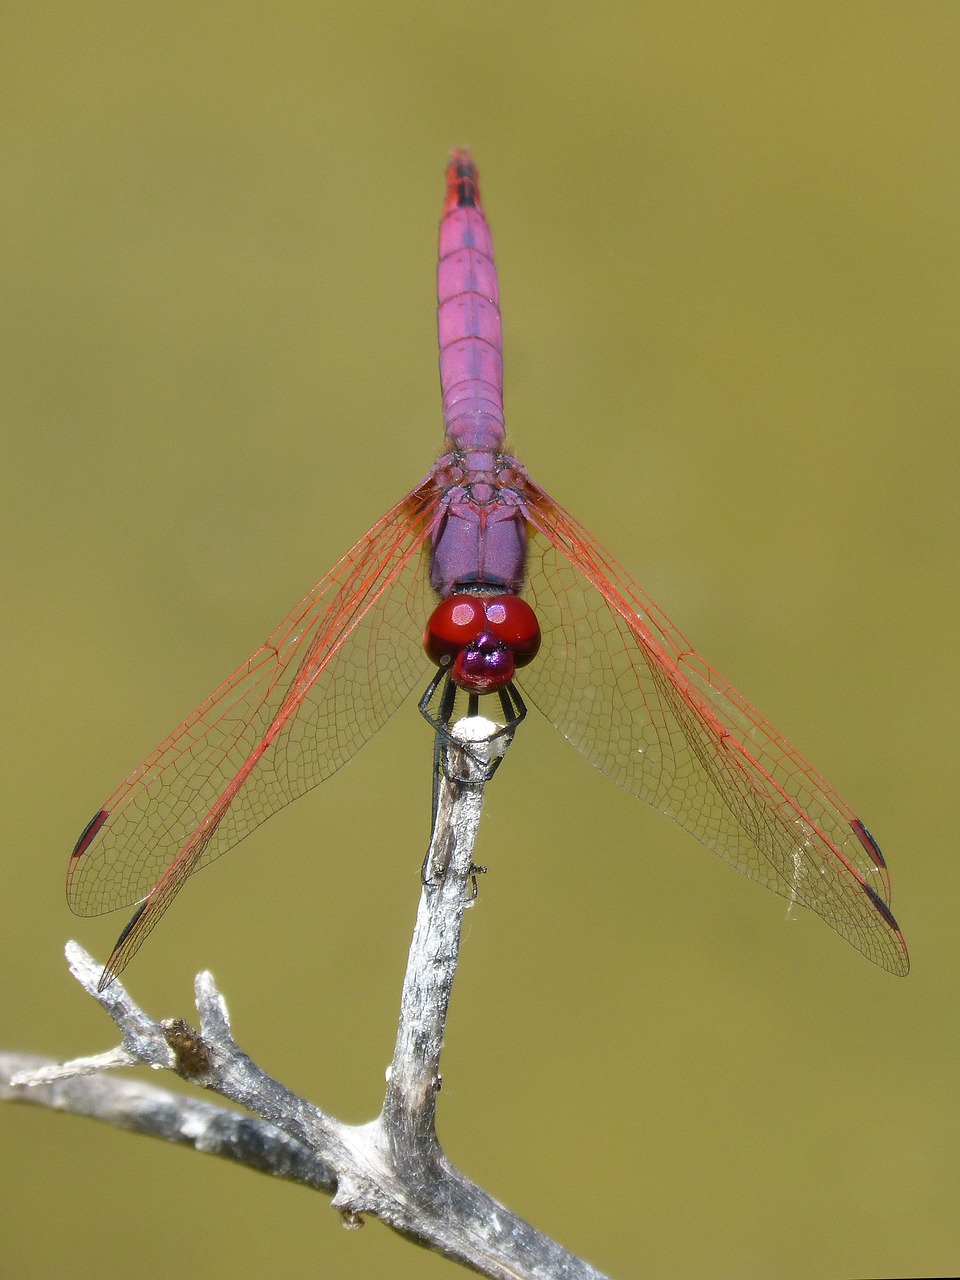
pixel 894 957
pixel 125 947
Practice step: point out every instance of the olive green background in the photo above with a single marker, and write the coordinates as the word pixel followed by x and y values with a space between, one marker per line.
pixel 727 237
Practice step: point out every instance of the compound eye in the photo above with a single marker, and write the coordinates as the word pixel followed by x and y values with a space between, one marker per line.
pixel 514 622
pixel 453 624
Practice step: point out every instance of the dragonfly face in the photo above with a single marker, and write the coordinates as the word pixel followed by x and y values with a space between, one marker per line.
pixel 483 640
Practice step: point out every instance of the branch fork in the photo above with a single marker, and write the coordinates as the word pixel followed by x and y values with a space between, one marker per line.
pixel 392 1167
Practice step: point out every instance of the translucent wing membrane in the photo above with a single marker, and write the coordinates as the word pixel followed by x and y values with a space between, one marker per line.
pixel 617 679
pixel 329 676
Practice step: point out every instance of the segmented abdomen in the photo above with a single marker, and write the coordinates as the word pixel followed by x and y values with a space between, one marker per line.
pixel 468 316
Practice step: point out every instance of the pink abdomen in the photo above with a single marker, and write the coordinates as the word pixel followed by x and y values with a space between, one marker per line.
pixel 468 316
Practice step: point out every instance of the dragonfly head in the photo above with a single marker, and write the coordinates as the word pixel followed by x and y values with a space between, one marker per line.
pixel 482 639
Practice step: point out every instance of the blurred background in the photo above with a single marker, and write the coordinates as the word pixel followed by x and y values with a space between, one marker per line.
pixel 728 250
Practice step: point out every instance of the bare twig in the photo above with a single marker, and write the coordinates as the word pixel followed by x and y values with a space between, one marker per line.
pixel 392 1167
pixel 132 1104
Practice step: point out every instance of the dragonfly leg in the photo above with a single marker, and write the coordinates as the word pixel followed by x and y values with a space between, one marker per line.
pixel 513 711
pixel 513 706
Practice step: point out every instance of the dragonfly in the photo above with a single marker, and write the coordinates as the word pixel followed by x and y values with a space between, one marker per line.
pixel 480 573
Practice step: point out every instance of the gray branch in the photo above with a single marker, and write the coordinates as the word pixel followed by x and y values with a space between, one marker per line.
pixel 393 1167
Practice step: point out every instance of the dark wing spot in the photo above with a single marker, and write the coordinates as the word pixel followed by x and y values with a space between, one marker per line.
pixel 89 832
pixel 868 842
pixel 881 906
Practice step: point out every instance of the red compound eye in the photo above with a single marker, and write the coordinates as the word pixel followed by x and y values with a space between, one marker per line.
pixel 514 622
pixel 453 624
pixel 484 638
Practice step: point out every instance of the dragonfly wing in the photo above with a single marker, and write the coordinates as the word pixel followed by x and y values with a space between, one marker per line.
pixel 617 678
pixel 327 678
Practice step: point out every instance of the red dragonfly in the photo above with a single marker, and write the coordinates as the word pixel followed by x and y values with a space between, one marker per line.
pixel 480 572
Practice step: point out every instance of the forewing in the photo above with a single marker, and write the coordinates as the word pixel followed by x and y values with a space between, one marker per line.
pixel 327 678
pixel 628 690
